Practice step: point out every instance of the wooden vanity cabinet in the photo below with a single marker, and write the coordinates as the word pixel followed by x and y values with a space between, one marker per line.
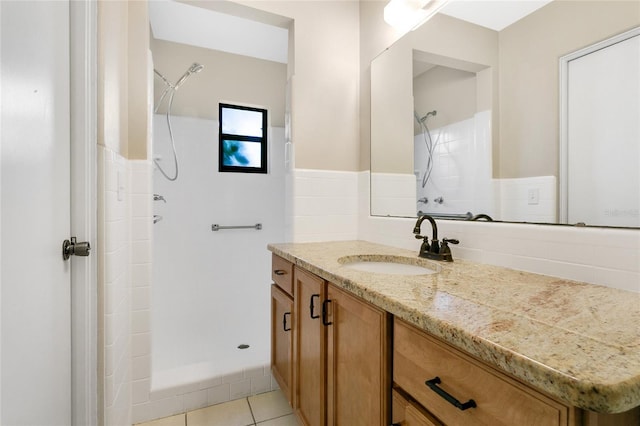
pixel 358 369
pixel 331 354
pixel 282 325
pixel 341 356
pixel 310 390
pixel 490 397
pixel 282 340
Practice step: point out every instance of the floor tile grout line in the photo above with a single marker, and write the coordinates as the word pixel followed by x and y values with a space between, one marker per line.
pixel 251 411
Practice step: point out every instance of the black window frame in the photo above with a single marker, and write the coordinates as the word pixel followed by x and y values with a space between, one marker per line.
pixel 242 138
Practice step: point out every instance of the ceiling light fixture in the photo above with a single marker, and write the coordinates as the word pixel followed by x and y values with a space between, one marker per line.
pixel 405 15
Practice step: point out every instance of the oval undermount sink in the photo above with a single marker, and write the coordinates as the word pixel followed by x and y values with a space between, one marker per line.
pixel 385 264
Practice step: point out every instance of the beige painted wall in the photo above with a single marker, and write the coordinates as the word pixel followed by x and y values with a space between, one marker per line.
pixel 526 114
pixel 138 80
pixel 392 112
pixel 444 41
pixel 451 92
pixel 325 91
pixel 375 37
pixel 123 45
pixel 112 76
pixel 529 53
pixel 225 77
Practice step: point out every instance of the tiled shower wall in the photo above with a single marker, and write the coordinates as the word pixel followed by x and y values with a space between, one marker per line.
pixel 461 173
pixel 164 392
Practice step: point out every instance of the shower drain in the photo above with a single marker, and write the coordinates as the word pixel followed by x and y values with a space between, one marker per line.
pixel 243 346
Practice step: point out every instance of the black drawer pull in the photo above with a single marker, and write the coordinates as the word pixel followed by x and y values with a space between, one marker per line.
pixel 433 384
pixel 324 312
pixel 279 272
pixel 312 307
pixel 284 321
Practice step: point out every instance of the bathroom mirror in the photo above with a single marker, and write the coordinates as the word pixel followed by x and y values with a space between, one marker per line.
pixel 467 119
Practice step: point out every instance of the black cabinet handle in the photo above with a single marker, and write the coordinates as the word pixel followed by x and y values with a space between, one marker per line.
pixel 312 307
pixel 284 321
pixel 279 272
pixel 433 384
pixel 324 312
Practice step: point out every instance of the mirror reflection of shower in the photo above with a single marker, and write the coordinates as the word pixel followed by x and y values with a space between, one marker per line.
pixel 428 140
pixel 170 89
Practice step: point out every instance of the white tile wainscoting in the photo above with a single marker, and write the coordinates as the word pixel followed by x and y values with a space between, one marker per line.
pixel 322 206
pixel 604 256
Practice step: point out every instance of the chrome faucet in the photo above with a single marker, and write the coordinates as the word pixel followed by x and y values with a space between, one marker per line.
pixel 157 197
pixel 435 250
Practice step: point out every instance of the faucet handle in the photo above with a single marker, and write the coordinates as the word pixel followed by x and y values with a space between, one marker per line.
pixel 450 240
pixel 418 237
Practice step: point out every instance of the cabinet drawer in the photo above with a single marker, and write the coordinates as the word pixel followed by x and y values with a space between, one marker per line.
pixel 282 273
pixel 406 413
pixel 499 399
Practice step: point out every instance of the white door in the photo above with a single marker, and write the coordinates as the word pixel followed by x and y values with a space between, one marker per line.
pixel 35 214
pixel 603 153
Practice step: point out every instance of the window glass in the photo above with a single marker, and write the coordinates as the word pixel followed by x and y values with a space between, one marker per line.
pixel 242 136
pixel 241 122
pixel 241 153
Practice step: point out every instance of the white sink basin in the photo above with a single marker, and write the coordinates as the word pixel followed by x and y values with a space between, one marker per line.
pixel 394 265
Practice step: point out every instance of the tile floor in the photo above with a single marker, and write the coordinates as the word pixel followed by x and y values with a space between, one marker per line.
pixel 267 409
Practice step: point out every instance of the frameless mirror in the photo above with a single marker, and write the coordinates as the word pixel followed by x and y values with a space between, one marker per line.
pixel 525 119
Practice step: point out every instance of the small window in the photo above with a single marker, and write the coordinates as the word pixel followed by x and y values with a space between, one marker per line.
pixel 243 139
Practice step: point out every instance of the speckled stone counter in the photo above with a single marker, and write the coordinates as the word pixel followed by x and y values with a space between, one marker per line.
pixel 579 342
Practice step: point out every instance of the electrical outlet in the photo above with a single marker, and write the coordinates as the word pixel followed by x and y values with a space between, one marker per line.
pixel 533 196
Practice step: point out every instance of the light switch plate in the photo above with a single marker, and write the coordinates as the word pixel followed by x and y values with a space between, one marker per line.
pixel 533 196
pixel 121 186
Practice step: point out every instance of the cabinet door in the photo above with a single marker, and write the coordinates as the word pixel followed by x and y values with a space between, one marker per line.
pixel 310 349
pixel 357 361
pixel 282 322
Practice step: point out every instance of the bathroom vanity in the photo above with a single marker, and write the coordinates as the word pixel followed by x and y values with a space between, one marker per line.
pixel 455 344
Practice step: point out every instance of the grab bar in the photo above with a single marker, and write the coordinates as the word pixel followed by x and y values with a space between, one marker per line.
pixel 216 227
pixel 464 216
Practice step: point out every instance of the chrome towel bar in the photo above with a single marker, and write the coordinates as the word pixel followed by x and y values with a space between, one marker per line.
pixel 216 227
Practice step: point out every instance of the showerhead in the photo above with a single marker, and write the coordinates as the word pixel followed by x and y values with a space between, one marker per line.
pixel 196 67
pixel 424 117
pixel 193 69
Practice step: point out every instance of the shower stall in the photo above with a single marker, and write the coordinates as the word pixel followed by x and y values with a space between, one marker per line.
pixel 210 317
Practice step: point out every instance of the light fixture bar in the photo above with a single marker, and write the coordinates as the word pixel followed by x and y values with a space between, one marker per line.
pixel 405 15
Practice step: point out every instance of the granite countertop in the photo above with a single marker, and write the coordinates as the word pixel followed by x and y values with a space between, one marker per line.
pixel 579 342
